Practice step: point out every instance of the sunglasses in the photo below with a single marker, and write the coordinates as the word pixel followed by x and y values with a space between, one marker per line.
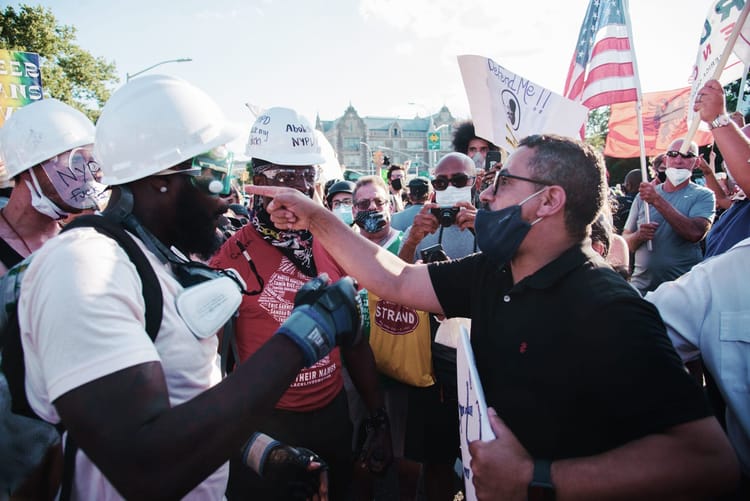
pixel 365 203
pixel 291 176
pixel 675 154
pixel 458 180
pixel 502 177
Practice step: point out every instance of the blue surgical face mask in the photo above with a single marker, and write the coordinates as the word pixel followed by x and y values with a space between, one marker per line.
pixel 501 232
pixel 345 214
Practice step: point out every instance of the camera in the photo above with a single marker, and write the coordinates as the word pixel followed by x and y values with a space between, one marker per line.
pixel 446 216
pixel 433 253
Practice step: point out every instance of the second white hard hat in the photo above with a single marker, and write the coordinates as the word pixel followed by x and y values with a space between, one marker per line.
pixel 284 137
pixel 40 131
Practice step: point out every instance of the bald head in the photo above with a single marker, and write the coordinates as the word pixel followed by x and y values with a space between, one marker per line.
pixel 453 160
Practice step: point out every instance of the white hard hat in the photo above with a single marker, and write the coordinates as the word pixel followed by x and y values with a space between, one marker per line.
pixel 40 131
pixel 153 123
pixel 284 137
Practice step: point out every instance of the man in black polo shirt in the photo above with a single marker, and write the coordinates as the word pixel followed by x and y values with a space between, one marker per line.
pixel 590 400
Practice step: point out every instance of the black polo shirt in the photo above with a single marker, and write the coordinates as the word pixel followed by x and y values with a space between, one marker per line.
pixel 572 358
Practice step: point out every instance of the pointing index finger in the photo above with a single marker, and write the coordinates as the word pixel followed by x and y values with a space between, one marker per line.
pixel 264 191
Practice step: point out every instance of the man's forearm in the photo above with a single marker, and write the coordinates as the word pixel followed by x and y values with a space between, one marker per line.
pixel 690 229
pixel 690 461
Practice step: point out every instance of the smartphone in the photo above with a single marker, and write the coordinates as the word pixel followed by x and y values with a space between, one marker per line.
pixel 433 253
pixel 491 159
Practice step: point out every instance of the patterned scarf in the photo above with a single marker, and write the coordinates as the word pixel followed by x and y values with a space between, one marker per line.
pixel 295 245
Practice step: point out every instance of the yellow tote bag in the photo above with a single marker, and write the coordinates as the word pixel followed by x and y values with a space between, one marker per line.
pixel 400 340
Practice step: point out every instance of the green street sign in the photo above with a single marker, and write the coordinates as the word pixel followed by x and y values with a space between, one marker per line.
pixel 433 141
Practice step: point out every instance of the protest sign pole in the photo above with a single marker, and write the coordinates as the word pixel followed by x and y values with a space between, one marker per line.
pixel 736 30
pixel 638 105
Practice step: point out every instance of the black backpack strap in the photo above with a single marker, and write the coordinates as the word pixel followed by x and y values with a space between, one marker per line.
pixel 229 352
pixel 152 294
pixel 8 255
pixel 69 466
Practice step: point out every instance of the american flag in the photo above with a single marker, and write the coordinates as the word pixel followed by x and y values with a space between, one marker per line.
pixel 602 70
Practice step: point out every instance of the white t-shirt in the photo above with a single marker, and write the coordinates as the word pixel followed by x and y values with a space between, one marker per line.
pixel 81 316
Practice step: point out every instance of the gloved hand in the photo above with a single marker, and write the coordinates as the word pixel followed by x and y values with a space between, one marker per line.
pixel 323 317
pixel 295 472
pixel 377 450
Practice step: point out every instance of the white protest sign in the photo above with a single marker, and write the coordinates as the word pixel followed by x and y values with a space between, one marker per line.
pixel 717 28
pixel 472 408
pixel 506 107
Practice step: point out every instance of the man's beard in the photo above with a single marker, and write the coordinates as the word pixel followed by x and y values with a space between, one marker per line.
pixel 196 230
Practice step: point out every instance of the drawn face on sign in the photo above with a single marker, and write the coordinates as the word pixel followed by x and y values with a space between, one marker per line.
pixel 75 177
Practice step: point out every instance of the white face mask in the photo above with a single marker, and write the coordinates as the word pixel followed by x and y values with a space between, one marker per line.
pixel 678 176
pixel 345 214
pixel 451 195
pixel 41 203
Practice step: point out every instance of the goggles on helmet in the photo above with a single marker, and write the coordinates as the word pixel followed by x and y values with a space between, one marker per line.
pixel 211 172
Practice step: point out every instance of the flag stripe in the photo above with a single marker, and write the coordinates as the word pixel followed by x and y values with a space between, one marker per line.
pixel 602 71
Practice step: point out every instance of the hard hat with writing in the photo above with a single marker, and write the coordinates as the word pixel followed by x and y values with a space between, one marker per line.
pixel 281 136
pixel 153 123
pixel 40 131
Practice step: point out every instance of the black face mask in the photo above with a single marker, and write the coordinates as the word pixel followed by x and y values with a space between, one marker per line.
pixel 662 175
pixel 500 232
pixel 396 183
pixel 371 221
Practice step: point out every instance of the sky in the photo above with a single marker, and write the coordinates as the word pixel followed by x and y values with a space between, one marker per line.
pixel 384 57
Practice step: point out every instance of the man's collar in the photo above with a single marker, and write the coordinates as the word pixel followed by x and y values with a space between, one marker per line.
pixel 555 270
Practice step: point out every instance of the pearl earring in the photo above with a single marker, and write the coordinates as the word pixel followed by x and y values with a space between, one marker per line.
pixel 163 189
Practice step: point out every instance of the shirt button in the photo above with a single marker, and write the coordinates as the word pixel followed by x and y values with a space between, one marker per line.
pixel 506 298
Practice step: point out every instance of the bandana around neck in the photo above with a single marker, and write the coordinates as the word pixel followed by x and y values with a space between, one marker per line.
pixel 295 245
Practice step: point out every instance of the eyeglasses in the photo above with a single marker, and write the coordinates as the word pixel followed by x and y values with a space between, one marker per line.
pixel 502 176
pixel 458 180
pixel 365 203
pixel 347 202
pixel 291 176
pixel 675 154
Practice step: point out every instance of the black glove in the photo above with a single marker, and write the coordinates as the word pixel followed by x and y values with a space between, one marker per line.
pixel 377 450
pixel 323 317
pixel 285 467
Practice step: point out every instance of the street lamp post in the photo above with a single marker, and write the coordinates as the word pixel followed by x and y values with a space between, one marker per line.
pixel 372 166
pixel 128 76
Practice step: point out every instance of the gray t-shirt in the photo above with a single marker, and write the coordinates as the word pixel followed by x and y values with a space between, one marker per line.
pixel 456 243
pixel 671 255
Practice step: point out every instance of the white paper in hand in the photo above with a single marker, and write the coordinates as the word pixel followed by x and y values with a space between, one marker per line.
pixel 472 408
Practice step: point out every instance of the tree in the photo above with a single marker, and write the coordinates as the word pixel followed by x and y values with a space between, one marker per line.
pixel 69 72
pixel 597 127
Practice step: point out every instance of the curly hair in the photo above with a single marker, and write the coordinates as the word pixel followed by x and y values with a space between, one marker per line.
pixel 463 134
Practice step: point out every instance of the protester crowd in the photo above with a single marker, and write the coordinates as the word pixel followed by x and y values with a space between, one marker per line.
pixel 271 368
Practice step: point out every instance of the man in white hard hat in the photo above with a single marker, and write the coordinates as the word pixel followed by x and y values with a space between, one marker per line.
pixel 46 147
pixel 149 415
pixel 274 263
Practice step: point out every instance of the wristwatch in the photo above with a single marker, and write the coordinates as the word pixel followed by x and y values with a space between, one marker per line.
pixel 541 487
pixel 721 121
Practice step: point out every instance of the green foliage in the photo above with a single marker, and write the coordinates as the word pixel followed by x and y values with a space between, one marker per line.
pixel 69 72
pixel 597 127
